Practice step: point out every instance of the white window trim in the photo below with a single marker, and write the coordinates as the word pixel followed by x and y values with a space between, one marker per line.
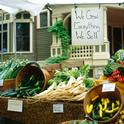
pixel 30 35
pixel 48 19
pixel 4 22
pixel 8 32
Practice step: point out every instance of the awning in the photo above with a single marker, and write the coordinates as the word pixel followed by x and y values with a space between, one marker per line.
pixel 74 1
pixel 14 6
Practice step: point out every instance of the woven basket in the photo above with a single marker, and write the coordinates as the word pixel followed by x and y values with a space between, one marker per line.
pixel 97 90
pixel 33 68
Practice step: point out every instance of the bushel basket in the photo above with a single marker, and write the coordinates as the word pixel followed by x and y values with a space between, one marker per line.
pixel 33 68
pixel 113 96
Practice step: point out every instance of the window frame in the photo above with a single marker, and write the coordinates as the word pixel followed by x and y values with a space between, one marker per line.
pixel 7 31
pixel 48 19
pixel 30 35
pixel 5 21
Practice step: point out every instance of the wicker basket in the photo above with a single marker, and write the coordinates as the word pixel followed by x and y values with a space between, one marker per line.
pixel 120 85
pixel 77 122
pixel 97 90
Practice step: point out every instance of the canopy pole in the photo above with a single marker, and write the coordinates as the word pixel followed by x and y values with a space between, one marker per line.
pixel 2 35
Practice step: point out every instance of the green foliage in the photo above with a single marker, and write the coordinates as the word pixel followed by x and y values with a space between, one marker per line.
pixel 110 67
pixel 84 70
pixel 65 74
pixel 56 59
pixel 59 29
pixel 75 72
pixel 89 83
pixel 10 68
pixel 119 55
pixel 59 77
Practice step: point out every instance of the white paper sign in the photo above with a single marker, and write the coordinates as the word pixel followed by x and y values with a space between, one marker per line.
pixel 1 82
pixel 58 108
pixel 87 26
pixel 15 105
pixel 108 87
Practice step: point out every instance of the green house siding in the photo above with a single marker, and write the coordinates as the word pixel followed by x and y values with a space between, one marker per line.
pixel 44 41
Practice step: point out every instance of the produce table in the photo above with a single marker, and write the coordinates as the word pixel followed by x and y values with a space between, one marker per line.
pixel 39 112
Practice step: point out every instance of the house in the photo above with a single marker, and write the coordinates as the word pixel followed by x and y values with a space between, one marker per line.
pixel 96 55
pixel 25 36
pixel 21 36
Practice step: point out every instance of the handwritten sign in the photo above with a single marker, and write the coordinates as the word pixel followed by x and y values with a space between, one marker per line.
pixel 87 26
pixel 15 105
pixel 108 87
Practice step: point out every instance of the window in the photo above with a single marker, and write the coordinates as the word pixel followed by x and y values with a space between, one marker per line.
pixel 1 18
pixel 22 36
pixel 26 16
pixel 4 17
pixel 44 19
pixel 7 17
pixel 4 33
pixel 23 32
pixel 18 16
pixel 23 15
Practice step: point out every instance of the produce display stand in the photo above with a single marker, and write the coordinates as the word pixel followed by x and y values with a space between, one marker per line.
pixel 40 112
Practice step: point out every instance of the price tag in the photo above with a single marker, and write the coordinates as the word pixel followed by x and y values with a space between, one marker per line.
pixel 1 82
pixel 58 108
pixel 15 105
pixel 108 87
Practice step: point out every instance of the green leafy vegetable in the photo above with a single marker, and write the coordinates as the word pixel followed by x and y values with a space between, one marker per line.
pixel 56 59
pixel 88 82
pixel 119 55
pixel 10 68
pixel 110 67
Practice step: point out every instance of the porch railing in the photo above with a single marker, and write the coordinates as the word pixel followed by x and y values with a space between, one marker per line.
pixel 84 52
